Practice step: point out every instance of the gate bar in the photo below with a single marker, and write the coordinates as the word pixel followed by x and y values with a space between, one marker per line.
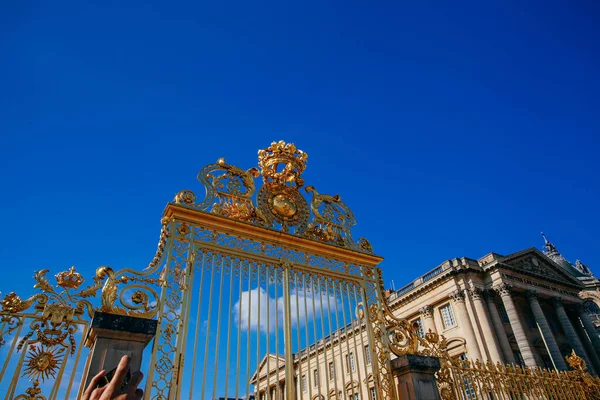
pixel 289 357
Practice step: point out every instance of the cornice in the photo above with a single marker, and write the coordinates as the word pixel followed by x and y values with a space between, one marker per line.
pixel 432 284
pixel 503 266
pixel 234 227
pixel 560 270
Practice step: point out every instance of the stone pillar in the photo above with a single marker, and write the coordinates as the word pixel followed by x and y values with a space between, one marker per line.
pixel 466 326
pixel 515 324
pixel 589 347
pixel 113 336
pixel 547 336
pixel 414 377
pixel 427 316
pixel 499 327
pixel 572 337
pixel 490 341
pixel 590 329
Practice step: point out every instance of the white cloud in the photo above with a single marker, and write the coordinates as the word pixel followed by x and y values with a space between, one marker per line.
pixel 300 312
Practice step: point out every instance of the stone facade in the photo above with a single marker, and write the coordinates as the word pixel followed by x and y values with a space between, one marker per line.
pixel 530 308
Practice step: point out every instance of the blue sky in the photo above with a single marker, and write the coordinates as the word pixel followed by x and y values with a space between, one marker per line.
pixel 450 130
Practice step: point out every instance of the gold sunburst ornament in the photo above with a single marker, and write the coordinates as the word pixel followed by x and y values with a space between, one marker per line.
pixel 42 363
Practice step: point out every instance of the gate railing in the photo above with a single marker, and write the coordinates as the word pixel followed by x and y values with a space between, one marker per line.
pixel 41 337
pixel 256 294
pixel 460 379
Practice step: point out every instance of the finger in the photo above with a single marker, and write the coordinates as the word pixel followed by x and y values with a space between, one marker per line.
pixel 97 394
pixel 93 384
pixel 132 386
pixel 117 381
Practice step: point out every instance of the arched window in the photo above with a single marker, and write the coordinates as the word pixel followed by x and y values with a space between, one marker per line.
pixel 592 307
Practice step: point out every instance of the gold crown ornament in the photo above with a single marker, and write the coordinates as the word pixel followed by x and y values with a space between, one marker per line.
pixel 69 279
pixel 281 153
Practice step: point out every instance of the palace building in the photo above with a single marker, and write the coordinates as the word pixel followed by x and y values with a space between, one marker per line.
pixel 531 308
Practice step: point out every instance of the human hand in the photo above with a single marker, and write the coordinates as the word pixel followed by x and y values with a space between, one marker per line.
pixel 112 391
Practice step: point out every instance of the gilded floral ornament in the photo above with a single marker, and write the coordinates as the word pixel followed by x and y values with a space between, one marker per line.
pixel 576 362
pixel 32 393
pixel 136 305
pixel 479 379
pixel 42 362
pixel 278 204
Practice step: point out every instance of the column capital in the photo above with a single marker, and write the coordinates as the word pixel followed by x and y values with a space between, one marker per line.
pixel 503 289
pixel 557 301
pixel 531 295
pixel 458 295
pixel 426 311
pixel 476 293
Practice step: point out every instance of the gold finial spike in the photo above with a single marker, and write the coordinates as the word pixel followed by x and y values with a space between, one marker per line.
pixel 575 361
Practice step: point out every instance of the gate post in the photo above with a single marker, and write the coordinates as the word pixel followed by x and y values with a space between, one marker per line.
pixel 111 337
pixel 414 377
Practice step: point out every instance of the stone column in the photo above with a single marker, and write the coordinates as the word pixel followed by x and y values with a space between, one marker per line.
pixel 589 347
pixel 590 329
pixel 414 377
pixel 466 326
pixel 499 327
pixel 542 323
pixel 490 341
pixel 515 324
pixel 572 337
pixel 427 316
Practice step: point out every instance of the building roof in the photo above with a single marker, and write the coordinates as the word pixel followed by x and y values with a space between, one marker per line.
pixel 565 272
pixel 579 270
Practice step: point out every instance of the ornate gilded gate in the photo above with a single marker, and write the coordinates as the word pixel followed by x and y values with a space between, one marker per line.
pixel 257 294
pixel 268 298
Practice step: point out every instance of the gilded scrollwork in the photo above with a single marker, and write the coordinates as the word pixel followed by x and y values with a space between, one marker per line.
pixel 332 220
pixel 278 204
pixel 228 192
pixel 142 303
pixel 50 319
pixel 57 313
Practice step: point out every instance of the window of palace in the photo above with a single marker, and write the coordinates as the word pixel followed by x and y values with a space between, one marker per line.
pixel 447 316
pixel 372 393
pixel 350 367
pixel 467 383
pixel 592 307
pixel 303 383
pixel 419 325
pixel 316 377
pixel 367 355
pixel 331 371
